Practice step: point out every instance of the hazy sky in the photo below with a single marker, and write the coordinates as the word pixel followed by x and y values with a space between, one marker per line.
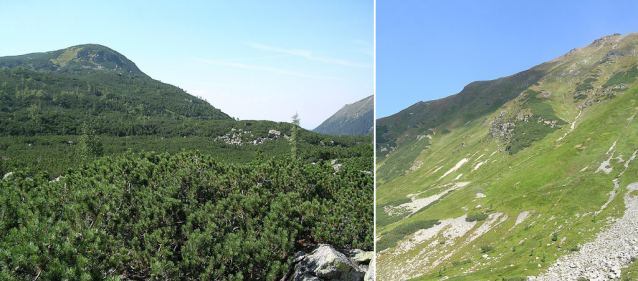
pixel 431 49
pixel 252 59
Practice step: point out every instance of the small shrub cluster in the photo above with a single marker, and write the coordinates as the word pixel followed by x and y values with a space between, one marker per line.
pixel 525 133
pixel 623 77
pixel 586 84
pixel 476 217
pixel 457 263
pixel 486 248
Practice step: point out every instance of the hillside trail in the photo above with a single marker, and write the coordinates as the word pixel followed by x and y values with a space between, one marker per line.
pixel 572 126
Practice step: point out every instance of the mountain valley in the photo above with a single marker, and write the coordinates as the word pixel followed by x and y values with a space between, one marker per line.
pixel 109 174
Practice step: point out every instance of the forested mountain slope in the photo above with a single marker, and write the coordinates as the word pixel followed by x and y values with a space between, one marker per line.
pixel 509 175
pixel 55 92
pixel 45 98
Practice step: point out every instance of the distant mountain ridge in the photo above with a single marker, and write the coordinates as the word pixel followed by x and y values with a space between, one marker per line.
pixel 352 119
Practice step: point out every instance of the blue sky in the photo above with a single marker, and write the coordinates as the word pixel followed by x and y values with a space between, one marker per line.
pixel 252 59
pixel 431 49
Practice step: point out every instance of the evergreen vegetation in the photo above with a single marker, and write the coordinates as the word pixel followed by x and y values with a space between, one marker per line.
pixel 623 77
pixel 586 84
pixel 187 216
pixel 476 217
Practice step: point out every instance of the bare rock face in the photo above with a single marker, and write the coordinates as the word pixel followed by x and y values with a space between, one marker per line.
pixel 326 263
pixel 502 127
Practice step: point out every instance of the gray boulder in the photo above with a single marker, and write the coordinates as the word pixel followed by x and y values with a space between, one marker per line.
pixel 361 256
pixel 325 263
pixel 370 272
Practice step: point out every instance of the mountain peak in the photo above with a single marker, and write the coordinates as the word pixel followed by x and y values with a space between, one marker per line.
pixel 352 119
pixel 78 60
pixel 615 44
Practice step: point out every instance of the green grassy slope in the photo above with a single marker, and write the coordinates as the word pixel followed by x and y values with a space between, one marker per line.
pixel 476 100
pixel 520 161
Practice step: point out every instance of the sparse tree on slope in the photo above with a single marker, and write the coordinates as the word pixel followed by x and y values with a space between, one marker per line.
pixel 294 135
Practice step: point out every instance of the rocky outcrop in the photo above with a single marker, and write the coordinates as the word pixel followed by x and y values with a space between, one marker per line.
pixel 370 274
pixel 334 164
pixel 239 137
pixel 326 263
pixel 502 127
pixel 234 137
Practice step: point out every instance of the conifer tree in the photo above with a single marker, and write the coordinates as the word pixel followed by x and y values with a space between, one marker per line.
pixel 294 135
pixel 89 144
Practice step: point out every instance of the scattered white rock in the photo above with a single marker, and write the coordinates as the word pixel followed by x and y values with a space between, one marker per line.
pixel 611 148
pixel 491 221
pixel 57 179
pixel 435 170
pixel 454 231
pixel 633 156
pixel 336 167
pixel 612 195
pixel 605 166
pixel 456 167
pixel 454 228
pixel 520 218
pixel 417 204
pixel 479 165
